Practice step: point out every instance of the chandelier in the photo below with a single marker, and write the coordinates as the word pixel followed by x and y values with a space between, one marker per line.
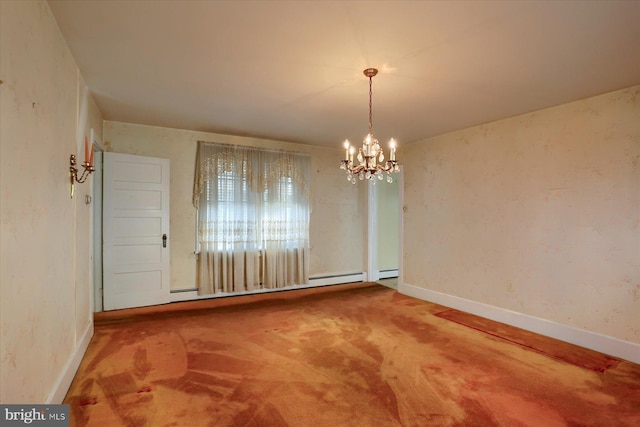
pixel 370 156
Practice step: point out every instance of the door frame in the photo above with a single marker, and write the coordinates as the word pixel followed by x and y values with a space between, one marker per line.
pixel 97 230
pixel 372 272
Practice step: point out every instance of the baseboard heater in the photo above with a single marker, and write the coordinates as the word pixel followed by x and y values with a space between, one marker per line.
pixel 388 274
pixel 336 279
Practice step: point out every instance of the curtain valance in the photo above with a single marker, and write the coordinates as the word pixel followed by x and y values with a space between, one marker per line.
pixel 262 168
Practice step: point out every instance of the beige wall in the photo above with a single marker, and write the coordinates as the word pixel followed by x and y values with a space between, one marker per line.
pixel 45 280
pixel 337 212
pixel 539 214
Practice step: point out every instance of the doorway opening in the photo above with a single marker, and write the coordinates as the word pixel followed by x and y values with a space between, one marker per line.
pixel 385 232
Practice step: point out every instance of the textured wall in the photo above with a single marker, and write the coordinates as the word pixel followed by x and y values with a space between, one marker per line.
pixel 337 210
pixel 45 235
pixel 539 214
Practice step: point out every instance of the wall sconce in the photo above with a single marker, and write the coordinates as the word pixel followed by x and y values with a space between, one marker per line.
pixel 87 165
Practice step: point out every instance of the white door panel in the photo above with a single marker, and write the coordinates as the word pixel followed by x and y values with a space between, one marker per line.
pixel 136 217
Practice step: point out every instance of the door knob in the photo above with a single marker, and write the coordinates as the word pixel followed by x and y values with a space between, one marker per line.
pixel 164 240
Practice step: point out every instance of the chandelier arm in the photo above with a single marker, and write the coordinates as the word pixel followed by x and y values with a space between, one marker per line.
pixel 388 167
pixel 356 169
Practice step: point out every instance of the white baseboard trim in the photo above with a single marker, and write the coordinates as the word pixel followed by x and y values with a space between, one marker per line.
pixel 337 279
pixel 186 296
pixel 387 274
pixel 178 296
pixel 63 382
pixel 592 340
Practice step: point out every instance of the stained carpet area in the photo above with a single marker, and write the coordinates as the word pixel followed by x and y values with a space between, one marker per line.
pixel 355 355
pixel 569 353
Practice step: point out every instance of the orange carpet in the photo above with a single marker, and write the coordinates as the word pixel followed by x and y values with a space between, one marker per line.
pixel 355 355
pixel 569 353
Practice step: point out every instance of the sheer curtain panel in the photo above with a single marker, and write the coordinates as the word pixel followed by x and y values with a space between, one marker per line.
pixel 253 218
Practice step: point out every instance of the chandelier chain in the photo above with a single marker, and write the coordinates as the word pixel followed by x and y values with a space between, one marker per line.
pixel 370 105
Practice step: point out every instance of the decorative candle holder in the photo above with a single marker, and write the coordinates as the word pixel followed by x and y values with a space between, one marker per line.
pixel 73 172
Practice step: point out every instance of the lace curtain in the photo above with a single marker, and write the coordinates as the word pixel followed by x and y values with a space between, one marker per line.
pixel 253 218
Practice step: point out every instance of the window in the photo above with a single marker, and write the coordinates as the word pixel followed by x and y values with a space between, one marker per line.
pixel 253 217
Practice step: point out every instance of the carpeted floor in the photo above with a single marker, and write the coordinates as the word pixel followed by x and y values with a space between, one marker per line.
pixel 354 355
pixel 569 353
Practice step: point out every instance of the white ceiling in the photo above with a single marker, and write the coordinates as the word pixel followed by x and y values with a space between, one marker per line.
pixel 292 70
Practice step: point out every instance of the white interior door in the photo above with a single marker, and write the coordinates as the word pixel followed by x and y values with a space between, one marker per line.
pixel 135 231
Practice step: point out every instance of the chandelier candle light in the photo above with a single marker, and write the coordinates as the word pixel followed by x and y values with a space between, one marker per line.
pixel 370 155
